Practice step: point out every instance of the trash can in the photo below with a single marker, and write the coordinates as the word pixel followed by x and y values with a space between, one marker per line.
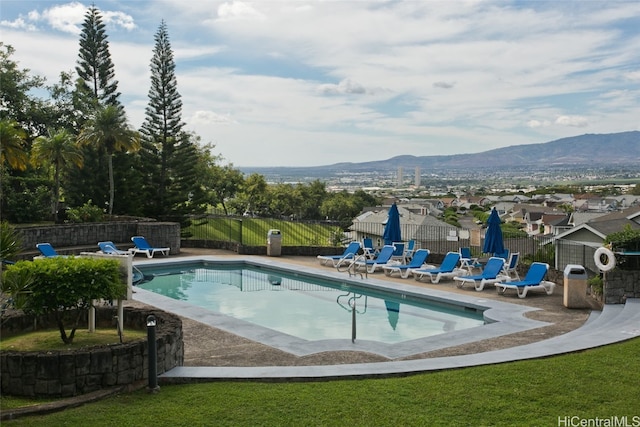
pixel 274 243
pixel 575 286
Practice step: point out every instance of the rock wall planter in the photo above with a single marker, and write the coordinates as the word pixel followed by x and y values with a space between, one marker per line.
pixel 70 373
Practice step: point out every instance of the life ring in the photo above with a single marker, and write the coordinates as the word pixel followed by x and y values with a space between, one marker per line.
pixel 611 259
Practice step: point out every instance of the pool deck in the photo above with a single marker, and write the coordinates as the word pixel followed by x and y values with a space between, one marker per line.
pixel 534 327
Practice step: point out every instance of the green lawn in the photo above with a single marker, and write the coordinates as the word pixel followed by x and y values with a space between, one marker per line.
pixel 599 383
pixel 253 231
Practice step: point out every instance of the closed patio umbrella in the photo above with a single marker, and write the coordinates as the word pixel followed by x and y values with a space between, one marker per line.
pixel 392 231
pixel 393 312
pixel 493 241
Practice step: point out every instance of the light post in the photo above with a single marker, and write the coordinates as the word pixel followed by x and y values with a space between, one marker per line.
pixel 153 354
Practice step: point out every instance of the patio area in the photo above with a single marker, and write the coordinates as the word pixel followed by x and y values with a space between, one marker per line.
pixel 206 346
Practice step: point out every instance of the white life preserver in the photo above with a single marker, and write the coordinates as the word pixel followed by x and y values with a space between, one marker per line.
pixel 611 259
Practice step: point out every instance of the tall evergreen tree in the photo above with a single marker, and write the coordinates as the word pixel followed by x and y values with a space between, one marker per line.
pixel 95 89
pixel 95 68
pixel 168 152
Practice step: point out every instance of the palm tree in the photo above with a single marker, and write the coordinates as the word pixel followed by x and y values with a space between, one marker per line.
pixel 107 127
pixel 12 138
pixel 58 150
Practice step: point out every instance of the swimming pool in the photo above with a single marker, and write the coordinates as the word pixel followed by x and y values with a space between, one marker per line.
pixel 267 277
pixel 307 307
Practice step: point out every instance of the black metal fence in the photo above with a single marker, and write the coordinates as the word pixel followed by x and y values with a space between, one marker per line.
pixel 438 239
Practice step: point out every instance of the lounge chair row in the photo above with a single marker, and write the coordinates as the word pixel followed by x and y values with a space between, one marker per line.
pixel 141 245
pixel 497 271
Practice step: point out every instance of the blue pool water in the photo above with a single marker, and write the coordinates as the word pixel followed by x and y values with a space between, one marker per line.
pixel 309 308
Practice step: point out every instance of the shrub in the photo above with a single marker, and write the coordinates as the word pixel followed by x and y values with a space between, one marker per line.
pixel 65 287
pixel 10 244
pixel 595 283
pixel 627 240
pixel 85 213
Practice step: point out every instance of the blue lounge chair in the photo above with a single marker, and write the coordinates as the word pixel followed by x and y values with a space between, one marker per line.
pixel 490 275
pixel 511 267
pixel 410 250
pixel 371 265
pixel 47 250
pixel 349 254
pixel 367 246
pixel 446 269
pixel 419 258
pixel 532 281
pixel 504 254
pixel 398 251
pixel 142 246
pixel 467 261
pixel 111 249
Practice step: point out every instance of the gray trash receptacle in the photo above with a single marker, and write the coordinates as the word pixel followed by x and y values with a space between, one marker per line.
pixel 274 243
pixel 575 286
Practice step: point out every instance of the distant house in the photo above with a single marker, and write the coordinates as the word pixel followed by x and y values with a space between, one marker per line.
pixel 414 225
pixel 578 244
pixel 554 224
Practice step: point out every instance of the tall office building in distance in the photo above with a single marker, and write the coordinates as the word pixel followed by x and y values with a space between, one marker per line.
pixel 400 177
pixel 417 176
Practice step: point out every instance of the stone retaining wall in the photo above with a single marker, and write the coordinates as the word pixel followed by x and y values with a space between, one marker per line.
pixel 70 239
pixel 620 285
pixel 70 373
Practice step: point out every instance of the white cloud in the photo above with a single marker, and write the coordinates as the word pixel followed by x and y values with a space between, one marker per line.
pixel 208 117
pixel 346 86
pixel 237 10
pixel 538 123
pixel 119 19
pixel 633 76
pixel 574 121
pixel 18 24
pixel 439 77
pixel 66 17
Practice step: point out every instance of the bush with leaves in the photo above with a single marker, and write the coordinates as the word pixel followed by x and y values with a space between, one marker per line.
pixel 64 287
pixel 627 240
pixel 85 213
pixel 10 244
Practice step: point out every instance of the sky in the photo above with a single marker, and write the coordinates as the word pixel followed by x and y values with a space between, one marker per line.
pixel 318 82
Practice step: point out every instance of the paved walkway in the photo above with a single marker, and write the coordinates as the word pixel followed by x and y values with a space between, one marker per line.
pixel 615 323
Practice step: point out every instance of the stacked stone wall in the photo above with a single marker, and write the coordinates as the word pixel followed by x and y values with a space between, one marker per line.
pixel 70 373
pixel 71 239
pixel 620 285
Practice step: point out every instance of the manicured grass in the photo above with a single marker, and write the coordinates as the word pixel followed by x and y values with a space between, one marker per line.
pixel 602 383
pixel 253 231
pixel 49 339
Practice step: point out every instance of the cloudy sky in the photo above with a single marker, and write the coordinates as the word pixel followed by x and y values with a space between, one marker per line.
pixel 305 82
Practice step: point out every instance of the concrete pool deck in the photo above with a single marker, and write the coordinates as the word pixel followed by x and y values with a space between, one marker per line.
pixel 542 326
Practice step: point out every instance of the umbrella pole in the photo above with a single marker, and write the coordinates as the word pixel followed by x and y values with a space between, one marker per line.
pixel 353 320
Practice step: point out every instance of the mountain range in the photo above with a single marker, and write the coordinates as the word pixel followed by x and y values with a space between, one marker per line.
pixel 584 150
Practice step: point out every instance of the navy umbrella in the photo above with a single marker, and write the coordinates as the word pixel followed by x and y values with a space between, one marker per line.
pixel 393 312
pixel 493 242
pixel 392 228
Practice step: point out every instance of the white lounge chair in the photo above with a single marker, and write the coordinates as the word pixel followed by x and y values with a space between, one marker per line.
pixel 110 248
pixel 418 260
pixel 447 269
pixel 47 251
pixel 532 281
pixel 467 261
pixel 371 265
pixel 348 255
pixel 490 275
pixel 511 267
pixel 141 246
